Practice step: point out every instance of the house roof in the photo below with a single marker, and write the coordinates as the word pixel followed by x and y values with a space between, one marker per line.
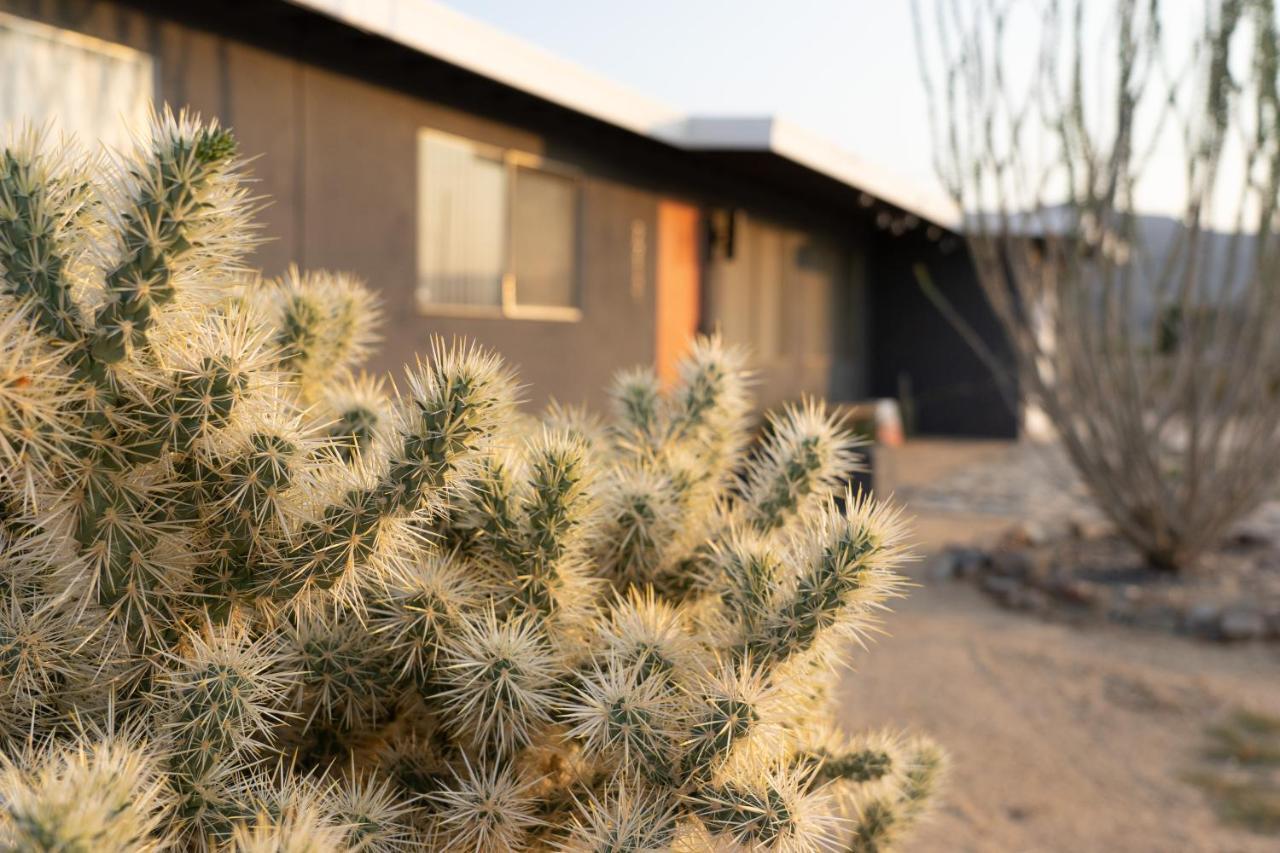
pixel 808 149
pixel 445 34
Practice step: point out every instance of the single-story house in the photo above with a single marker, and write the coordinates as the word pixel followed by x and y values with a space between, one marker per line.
pixel 490 190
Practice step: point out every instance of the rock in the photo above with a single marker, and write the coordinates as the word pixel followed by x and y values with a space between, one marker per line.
pixel 944 565
pixel 1077 591
pixel 1248 539
pixel 1025 534
pixel 1242 622
pixel 956 561
pixel 1160 617
pixel 1090 527
pixel 1202 618
pixel 1029 598
pixel 1003 590
pixel 1273 623
pixel 970 561
pixel 1008 563
pixel 1121 609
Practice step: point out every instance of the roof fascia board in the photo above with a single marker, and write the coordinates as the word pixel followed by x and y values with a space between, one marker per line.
pixel 794 143
pixel 811 150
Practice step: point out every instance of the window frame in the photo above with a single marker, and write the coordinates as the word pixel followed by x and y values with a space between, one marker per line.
pixel 509 307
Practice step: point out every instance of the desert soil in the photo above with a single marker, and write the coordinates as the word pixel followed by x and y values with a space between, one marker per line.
pixel 1061 738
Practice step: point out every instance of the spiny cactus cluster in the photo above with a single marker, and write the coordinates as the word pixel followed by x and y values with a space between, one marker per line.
pixel 255 601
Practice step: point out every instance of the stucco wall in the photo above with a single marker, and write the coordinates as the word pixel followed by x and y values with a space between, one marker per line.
pixel 337 167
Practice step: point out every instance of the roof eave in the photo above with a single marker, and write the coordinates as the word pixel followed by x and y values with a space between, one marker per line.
pixel 769 134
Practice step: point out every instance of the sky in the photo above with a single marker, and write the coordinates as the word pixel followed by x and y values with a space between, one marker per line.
pixel 843 68
pixel 846 69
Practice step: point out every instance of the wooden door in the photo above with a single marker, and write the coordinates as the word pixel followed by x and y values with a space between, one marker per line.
pixel 679 284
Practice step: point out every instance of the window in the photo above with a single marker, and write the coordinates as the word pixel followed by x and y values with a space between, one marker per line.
pixel 92 89
pixel 463 224
pixel 497 232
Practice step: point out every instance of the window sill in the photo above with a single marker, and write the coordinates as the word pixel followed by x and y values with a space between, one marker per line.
pixel 536 313
pixel 545 313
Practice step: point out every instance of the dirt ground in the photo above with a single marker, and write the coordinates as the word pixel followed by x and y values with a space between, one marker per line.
pixel 1061 738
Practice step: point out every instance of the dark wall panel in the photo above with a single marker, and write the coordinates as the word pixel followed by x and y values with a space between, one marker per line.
pixel 952 391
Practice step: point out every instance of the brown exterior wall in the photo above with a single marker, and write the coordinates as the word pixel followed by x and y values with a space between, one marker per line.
pixel 337 165
pixel 359 213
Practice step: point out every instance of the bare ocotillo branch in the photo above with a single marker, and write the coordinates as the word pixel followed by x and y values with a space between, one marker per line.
pixel 1149 341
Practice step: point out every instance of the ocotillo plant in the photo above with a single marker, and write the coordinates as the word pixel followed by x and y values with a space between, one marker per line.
pixel 255 601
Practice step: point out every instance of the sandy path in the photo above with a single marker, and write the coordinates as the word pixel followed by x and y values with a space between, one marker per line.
pixel 1060 740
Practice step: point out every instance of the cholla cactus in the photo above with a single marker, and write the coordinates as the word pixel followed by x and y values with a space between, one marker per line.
pixel 256 601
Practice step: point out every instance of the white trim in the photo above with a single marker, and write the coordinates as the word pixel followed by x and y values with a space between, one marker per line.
pixel 794 143
pixel 467 43
pixel 438 31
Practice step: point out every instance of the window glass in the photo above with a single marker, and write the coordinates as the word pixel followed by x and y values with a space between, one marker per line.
pixel 497 230
pixel 462 223
pixel 544 239
pixel 74 84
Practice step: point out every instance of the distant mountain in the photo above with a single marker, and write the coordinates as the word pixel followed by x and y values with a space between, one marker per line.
pixel 1158 255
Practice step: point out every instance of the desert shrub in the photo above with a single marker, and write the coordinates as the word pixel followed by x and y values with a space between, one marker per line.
pixel 256 601
pixel 1061 131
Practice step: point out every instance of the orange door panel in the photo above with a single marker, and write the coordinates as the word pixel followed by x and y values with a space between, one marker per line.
pixel 679 280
